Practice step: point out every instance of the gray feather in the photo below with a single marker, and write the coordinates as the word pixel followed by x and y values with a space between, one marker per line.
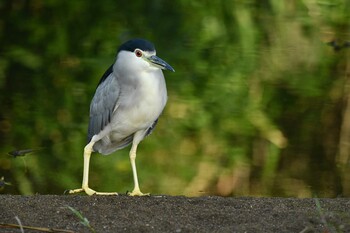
pixel 150 129
pixel 109 147
pixel 103 104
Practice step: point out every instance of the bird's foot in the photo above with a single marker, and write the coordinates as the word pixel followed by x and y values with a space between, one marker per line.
pixel 89 191
pixel 137 192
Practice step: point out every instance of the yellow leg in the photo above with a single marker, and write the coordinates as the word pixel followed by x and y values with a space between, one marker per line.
pixel 85 184
pixel 136 191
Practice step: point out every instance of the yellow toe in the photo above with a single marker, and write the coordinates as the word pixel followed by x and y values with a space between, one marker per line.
pixel 137 192
pixel 90 191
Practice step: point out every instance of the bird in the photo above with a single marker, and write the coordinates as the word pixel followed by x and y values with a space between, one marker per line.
pixel 125 108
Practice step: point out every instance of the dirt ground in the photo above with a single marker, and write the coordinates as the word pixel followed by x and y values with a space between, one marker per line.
pixel 173 214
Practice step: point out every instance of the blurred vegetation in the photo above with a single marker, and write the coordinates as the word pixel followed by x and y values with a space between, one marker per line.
pixel 259 103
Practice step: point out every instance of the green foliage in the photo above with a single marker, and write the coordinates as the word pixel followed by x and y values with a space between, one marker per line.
pixel 257 106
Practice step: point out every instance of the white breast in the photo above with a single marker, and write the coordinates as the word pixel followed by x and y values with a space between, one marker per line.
pixel 141 102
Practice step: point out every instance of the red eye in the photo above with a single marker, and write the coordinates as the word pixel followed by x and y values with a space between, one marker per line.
pixel 138 53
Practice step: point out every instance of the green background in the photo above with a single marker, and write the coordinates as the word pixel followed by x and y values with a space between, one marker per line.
pixel 259 103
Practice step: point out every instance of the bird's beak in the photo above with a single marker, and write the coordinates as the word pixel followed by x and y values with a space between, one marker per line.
pixel 160 63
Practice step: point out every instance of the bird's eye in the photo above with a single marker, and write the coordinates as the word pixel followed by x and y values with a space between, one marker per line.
pixel 138 53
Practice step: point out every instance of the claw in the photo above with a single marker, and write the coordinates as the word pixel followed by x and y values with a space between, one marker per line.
pixel 137 192
pixel 90 191
pixel 67 191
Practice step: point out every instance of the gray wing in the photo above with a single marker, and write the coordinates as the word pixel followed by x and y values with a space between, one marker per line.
pixel 103 103
pixel 150 129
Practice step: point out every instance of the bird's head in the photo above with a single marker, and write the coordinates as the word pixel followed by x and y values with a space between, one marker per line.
pixel 140 55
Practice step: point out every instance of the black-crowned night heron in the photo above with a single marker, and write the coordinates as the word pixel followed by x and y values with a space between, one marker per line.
pixel 128 100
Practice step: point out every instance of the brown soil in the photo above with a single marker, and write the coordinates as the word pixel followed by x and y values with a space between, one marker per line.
pixel 175 214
